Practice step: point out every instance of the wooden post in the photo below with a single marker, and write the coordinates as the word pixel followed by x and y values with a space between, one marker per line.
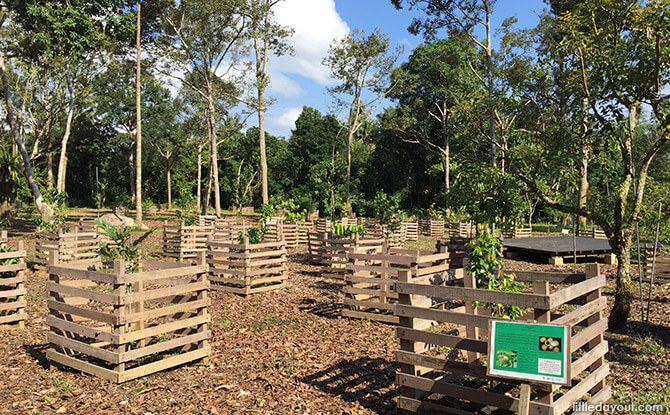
pixel 471 332
pixel 119 310
pixel 407 345
pixel 247 265
pixel 524 399
pixel 20 285
pixel 544 317
pixel 592 271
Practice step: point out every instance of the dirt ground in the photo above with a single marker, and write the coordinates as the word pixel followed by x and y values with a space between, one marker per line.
pixel 285 352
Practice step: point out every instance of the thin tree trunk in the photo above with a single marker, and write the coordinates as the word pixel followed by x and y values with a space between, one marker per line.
pixel 64 172
pixel 50 168
pixel 46 212
pixel 350 139
pixel 138 104
pixel 213 151
pixel 66 135
pixel 169 188
pixel 261 142
pixel 199 177
pixel 489 75
pixel 584 167
pixel 131 169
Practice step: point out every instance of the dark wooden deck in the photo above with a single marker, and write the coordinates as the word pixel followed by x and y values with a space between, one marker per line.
pixel 558 245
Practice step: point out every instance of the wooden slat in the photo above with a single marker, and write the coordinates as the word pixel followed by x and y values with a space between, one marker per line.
pixel 444 316
pixel 589 358
pixel 582 313
pixel 587 334
pixel 577 290
pixel 475 294
pixel 576 392
pixel 165 345
pixel 84 293
pixel 82 312
pixel 440 339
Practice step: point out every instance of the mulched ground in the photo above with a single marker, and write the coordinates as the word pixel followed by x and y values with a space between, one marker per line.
pixel 282 352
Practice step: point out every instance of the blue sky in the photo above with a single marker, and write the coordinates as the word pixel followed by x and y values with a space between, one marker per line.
pixel 301 80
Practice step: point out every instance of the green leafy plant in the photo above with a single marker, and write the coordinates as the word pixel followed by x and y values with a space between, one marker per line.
pixel 7 261
pixel 58 201
pixel 292 212
pixel 255 235
pixel 484 252
pixel 123 246
pixel 387 212
pixel 5 223
pixel 348 230
pixel 188 217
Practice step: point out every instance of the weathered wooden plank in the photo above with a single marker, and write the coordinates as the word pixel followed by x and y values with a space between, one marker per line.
pixel 440 339
pixel 578 391
pixel 475 294
pixel 582 313
pixel 577 290
pixel 444 316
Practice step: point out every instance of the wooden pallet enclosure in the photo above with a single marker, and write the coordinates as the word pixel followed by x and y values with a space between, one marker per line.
pixel 370 282
pixel 518 232
pixel 80 243
pixel 247 268
pixel 330 251
pixel 442 370
pixel 12 286
pixel 412 230
pixel 184 242
pixel 430 227
pixel 117 325
pixel 661 268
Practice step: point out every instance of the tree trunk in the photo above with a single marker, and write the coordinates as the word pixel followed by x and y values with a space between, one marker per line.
pixel 261 142
pixel 623 295
pixel 64 173
pixel 50 169
pixel 489 75
pixel 138 104
pixel 131 165
pixel 350 140
pixel 46 212
pixel 199 177
pixel 584 167
pixel 211 123
pixel 169 188
pixel 66 134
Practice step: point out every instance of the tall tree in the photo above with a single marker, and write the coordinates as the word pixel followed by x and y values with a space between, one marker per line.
pixel 624 47
pixel 461 16
pixel 44 30
pixel 205 39
pixel 268 37
pixel 362 64
pixel 431 86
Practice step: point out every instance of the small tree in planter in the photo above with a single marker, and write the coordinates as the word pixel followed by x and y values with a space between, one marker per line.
pixel 387 212
pixel 122 245
pixel 133 317
pixel 247 265
pixel 486 266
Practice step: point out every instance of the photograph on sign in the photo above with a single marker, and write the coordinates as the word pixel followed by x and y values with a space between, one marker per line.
pixel 529 351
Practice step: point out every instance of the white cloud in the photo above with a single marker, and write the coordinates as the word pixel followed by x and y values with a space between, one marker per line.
pixel 282 84
pixel 287 119
pixel 316 24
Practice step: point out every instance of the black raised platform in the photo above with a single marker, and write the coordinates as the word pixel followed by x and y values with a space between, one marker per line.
pixel 557 246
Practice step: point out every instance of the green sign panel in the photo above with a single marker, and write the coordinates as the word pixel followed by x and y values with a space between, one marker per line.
pixel 529 351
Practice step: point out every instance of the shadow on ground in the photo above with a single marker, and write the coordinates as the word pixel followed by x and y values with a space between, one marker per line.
pixel 364 380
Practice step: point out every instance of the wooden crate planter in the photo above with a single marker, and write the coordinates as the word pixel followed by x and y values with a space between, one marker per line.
pixel 330 251
pixel 661 268
pixel 430 227
pixel 518 232
pixel 151 210
pixel 304 227
pixel 592 233
pixel 433 363
pixel 12 288
pixel 370 291
pixel 412 230
pixel 76 245
pixel 323 225
pixel 276 230
pixel 184 242
pixel 393 238
pixel 120 326
pixel 206 220
pixel 247 268
pixel 463 229
pixel 247 210
pixel 229 229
